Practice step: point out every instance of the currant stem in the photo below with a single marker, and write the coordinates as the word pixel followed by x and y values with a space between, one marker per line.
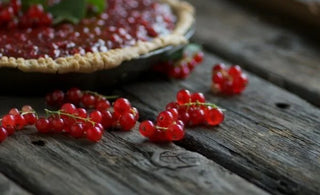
pixel 59 112
pixel 161 128
pixel 100 95
pixel 200 104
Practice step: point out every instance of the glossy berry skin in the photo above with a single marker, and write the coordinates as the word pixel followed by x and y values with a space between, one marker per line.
pixel 127 121
pixel 57 124
pixel 43 125
pixel 196 116
pixel 183 96
pixel 88 100
pixel 94 134
pixel 107 119
pixel 198 57
pixel 102 105
pixel 26 108
pixel 198 97
pixel 68 108
pixel 174 112
pixel 147 128
pixel 121 106
pixel 176 132
pixel 165 119
pixel 74 95
pixel 214 116
pixel 20 122
pixel 81 112
pixel 218 67
pixel 96 116
pixel 3 134
pixel 77 130
pixel 14 111
pixel 8 121
pixel 30 118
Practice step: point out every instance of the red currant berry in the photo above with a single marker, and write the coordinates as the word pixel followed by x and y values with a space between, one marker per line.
pixel 27 108
pixel 8 121
pixel 68 122
pixel 218 78
pixel 135 112
pixel 57 97
pixel 94 134
pixel 165 119
pixel 127 121
pixel 218 68
pixel 81 112
pixel 172 105
pixel 175 72
pixel 20 122
pixel 176 132
pixel 159 136
pixel 74 95
pixel 35 11
pixel 147 128
pixel 185 72
pixel 3 134
pixel 198 57
pixel 107 119
pixel 77 130
pixel 43 125
pixel 68 108
pixel 14 111
pixel 174 113
pixel 183 96
pixel 88 100
pixel 57 124
pixel 121 106
pixel 102 105
pixel 196 116
pixel 30 118
pixel 235 71
pixel 214 116
pixel 198 97
pixel 95 116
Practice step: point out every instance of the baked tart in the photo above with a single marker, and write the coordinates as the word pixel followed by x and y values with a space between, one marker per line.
pixel 49 38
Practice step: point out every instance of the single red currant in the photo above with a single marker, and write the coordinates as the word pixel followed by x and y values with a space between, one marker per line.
pixel 198 97
pixel 14 111
pixel 107 119
pixel 95 116
pixel 147 128
pixel 20 122
pixel 8 121
pixel 74 95
pixel 165 119
pixel 57 124
pixel 43 125
pixel 88 100
pixel 176 132
pixel 121 106
pixel 214 116
pixel 30 118
pixel 68 108
pixel 94 134
pixel 77 130
pixel 127 121
pixel 183 96
pixel 102 105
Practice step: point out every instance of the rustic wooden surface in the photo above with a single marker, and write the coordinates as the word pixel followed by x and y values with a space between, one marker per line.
pixel 122 163
pixel 268 144
pixel 269 51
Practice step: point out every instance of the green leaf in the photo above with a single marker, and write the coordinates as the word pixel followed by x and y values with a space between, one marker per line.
pixel 68 10
pixel 100 5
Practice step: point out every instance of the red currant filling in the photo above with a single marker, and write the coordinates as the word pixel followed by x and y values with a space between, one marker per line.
pixel 31 34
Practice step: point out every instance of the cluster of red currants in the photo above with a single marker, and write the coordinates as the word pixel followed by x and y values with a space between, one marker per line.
pixel 228 81
pixel 121 116
pixel 16 120
pixel 188 110
pixel 182 67
pixel 75 121
pixel 11 15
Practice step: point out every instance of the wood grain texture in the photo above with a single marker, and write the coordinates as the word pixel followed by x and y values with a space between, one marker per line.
pixel 306 12
pixel 122 163
pixel 269 51
pixel 7 187
pixel 270 137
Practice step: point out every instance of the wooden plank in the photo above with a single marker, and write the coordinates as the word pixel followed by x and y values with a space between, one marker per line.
pixel 270 137
pixel 306 12
pixel 270 51
pixel 122 163
pixel 7 187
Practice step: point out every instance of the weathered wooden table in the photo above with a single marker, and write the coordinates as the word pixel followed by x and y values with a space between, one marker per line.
pixel 268 144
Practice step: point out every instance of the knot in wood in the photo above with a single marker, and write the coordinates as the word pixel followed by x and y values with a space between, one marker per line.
pixel 175 159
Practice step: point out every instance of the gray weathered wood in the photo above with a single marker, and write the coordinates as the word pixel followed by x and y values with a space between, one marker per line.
pixel 270 137
pixel 7 187
pixel 270 51
pixel 307 12
pixel 122 163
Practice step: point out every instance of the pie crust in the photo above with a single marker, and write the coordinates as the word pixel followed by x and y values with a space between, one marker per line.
pixel 91 62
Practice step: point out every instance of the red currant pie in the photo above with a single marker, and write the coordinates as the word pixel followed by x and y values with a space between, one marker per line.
pixel 53 36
